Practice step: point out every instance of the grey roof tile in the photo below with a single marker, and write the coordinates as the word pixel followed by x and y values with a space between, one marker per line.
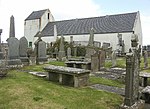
pixel 104 24
pixel 36 15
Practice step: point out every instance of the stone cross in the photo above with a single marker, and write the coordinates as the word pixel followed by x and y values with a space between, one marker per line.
pixel 12 27
pixel 91 38
pixel 132 98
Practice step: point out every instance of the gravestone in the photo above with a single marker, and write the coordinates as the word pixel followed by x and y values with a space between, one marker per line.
pixel 105 45
pixel 145 59
pixel 68 52
pixel 113 59
pixel 13 51
pixel 42 51
pixel 55 54
pixel 13 45
pixel 61 53
pixel 132 96
pixel 101 58
pixel 23 45
pixel 95 64
pixel 75 51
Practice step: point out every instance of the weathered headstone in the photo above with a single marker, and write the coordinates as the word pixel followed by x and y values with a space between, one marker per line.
pixel 68 52
pixel 113 59
pixel 61 53
pixel 40 50
pixel 13 51
pixel 101 58
pixel 23 45
pixel 75 51
pixel 145 59
pixel 55 54
pixel 132 97
pixel 95 64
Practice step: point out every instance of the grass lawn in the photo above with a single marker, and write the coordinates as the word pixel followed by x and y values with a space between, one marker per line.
pixel 20 90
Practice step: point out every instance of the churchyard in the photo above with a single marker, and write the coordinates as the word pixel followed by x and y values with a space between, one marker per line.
pixel 63 75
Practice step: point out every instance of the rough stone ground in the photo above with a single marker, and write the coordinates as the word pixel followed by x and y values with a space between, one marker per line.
pixel 116 90
pixel 115 73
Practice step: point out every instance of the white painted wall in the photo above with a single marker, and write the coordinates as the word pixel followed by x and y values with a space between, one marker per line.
pixel 137 29
pixel 110 38
pixel 44 19
pixel 31 27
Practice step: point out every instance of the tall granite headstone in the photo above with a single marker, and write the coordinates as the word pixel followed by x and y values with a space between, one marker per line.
pixel 61 53
pixel 132 96
pixel 12 27
pixel 13 45
pixel 23 45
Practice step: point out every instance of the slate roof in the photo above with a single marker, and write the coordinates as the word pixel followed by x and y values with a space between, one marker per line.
pixel 36 14
pixel 105 24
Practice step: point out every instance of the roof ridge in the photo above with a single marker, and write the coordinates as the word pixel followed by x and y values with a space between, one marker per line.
pixel 95 17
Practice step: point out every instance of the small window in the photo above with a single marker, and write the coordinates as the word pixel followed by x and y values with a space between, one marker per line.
pixel 48 15
pixel 30 44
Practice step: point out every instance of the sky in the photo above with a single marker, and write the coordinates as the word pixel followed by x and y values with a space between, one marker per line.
pixel 71 9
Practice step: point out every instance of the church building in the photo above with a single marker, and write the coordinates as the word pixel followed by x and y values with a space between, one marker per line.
pixel 107 29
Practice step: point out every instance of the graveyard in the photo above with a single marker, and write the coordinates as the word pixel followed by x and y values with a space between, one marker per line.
pixel 73 75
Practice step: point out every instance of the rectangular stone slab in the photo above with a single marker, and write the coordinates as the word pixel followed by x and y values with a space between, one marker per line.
pixel 68 76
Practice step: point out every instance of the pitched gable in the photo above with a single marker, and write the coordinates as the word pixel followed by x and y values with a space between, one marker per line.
pixel 36 15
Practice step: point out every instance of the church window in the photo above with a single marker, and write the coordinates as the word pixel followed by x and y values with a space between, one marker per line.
pixel 48 16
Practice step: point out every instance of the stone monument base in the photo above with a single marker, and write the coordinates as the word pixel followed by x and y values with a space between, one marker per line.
pixel 42 59
pixel 138 105
pixel 24 60
pixel 14 62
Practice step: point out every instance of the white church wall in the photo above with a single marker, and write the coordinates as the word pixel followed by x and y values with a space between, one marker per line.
pixel 31 27
pixel 137 28
pixel 109 38
pixel 45 19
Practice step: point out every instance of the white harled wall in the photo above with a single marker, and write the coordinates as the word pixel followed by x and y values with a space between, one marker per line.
pixel 110 38
pixel 31 27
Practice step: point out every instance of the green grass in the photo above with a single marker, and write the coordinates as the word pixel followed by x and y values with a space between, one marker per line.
pixel 20 90
pixel 104 81
pixel 121 62
pixel 58 63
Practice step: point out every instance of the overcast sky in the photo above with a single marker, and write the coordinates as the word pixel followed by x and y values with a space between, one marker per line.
pixel 70 9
